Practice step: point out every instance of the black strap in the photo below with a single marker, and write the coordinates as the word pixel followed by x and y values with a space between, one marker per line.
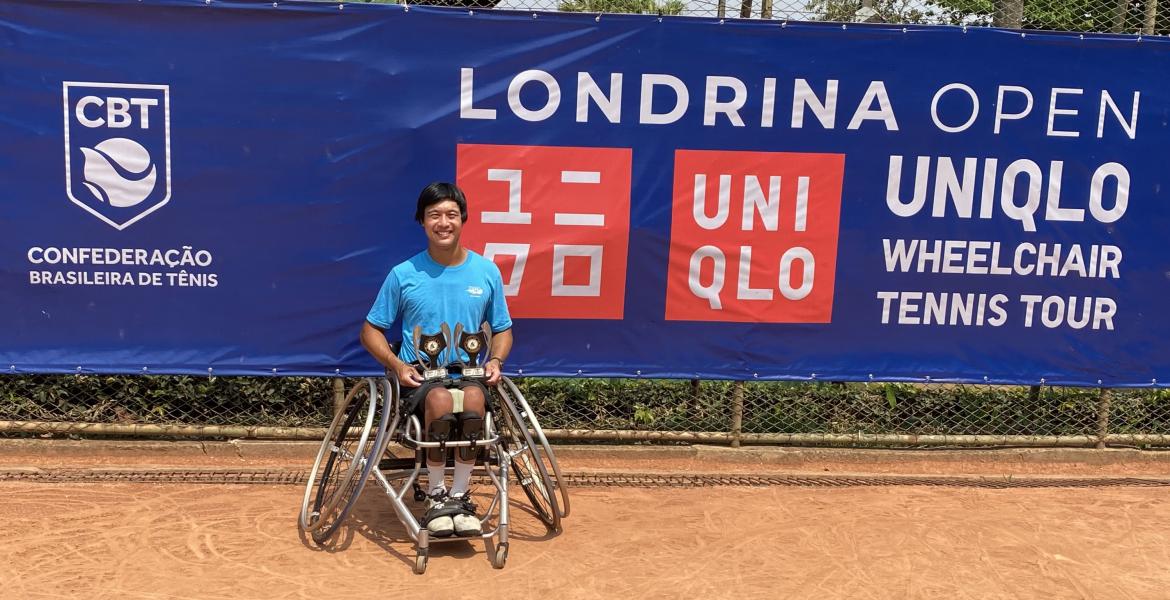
pixel 452 507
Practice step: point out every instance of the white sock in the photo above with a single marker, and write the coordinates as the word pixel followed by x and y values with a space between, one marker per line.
pixel 462 479
pixel 435 477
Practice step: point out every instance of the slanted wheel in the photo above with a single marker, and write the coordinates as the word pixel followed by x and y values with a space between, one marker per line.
pixel 420 563
pixel 527 461
pixel 551 466
pixel 500 557
pixel 344 461
pixel 334 465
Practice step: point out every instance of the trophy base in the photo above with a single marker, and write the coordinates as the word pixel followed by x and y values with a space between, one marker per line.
pixel 430 374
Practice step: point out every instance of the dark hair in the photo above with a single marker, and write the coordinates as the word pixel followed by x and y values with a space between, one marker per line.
pixel 436 193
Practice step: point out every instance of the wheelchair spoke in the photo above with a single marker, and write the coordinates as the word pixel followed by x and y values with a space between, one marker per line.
pixel 343 453
pixel 525 458
pixel 545 451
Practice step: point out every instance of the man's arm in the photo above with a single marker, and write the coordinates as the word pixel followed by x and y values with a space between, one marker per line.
pixel 501 346
pixel 374 341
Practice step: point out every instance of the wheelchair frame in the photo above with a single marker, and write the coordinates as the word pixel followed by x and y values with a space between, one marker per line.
pixel 350 455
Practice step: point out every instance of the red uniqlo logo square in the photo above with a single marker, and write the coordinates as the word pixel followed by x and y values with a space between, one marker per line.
pixel 753 236
pixel 557 223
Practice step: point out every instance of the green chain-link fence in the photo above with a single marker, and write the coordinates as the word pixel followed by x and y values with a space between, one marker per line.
pixel 613 409
pixel 1141 17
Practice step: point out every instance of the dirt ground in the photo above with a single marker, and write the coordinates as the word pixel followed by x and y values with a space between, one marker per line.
pixel 190 541
pixel 1069 462
pixel 133 540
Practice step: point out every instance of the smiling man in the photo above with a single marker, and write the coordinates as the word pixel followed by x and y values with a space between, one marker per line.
pixel 446 283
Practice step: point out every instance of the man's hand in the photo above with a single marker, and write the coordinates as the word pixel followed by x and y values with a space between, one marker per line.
pixel 374 341
pixel 491 370
pixel 501 346
pixel 408 376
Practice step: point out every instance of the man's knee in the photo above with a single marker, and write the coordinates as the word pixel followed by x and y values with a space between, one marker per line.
pixel 473 400
pixel 438 403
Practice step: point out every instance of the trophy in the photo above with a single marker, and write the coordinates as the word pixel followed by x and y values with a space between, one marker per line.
pixel 475 345
pixel 430 346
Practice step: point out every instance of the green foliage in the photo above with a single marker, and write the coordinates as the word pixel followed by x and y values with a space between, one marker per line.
pixel 1057 15
pixel 918 409
pixel 622 404
pixel 665 405
pixel 270 401
pixel 965 12
pixel 884 11
pixel 647 7
pixel 1052 15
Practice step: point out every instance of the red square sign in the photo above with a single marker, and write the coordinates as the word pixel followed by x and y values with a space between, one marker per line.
pixel 753 236
pixel 555 220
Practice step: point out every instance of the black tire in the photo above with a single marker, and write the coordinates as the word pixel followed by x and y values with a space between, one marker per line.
pixel 527 461
pixel 347 455
pixel 331 464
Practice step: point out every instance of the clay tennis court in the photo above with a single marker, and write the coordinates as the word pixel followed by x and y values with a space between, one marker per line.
pixel 798 540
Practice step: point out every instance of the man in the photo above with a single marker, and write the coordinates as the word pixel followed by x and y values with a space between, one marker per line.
pixel 444 284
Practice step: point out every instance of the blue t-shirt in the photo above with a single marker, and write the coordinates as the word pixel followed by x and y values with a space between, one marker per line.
pixel 423 292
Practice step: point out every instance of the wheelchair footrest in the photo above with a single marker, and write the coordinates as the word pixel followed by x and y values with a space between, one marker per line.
pixel 398 464
pixel 395 464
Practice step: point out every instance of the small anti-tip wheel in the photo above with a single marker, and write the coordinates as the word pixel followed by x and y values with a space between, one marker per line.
pixel 501 556
pixel 420 563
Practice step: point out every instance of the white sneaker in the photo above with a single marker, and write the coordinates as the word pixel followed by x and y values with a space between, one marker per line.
pixel 438 525
pixel 465 522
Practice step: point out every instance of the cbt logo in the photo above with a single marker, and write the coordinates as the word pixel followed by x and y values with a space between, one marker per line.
pixel 117 149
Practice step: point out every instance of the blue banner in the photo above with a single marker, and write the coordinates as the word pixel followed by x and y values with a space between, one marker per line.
pixel 221 187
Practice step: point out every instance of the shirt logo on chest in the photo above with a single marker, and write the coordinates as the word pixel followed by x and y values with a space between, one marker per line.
pixel 474 292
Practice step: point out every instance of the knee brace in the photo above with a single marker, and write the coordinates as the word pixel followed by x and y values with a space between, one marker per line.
pixel 442 430
pixel 456 400
pixel 470 430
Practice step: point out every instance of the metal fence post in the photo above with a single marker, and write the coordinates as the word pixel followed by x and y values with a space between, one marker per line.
pixel 1008 13
pixel 1120 9
pixel 736 413
pixel 338 394
pixel 1151 17
pixel 1103 403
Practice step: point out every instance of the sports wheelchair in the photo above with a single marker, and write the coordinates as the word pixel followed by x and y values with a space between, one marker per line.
pixel 512 447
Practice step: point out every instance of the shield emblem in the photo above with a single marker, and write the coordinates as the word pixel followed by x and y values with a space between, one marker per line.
pixel 117 149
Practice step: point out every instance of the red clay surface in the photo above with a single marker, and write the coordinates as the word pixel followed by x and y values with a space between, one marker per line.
pixel 241 542
pixel 49 454
pixel 219 542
